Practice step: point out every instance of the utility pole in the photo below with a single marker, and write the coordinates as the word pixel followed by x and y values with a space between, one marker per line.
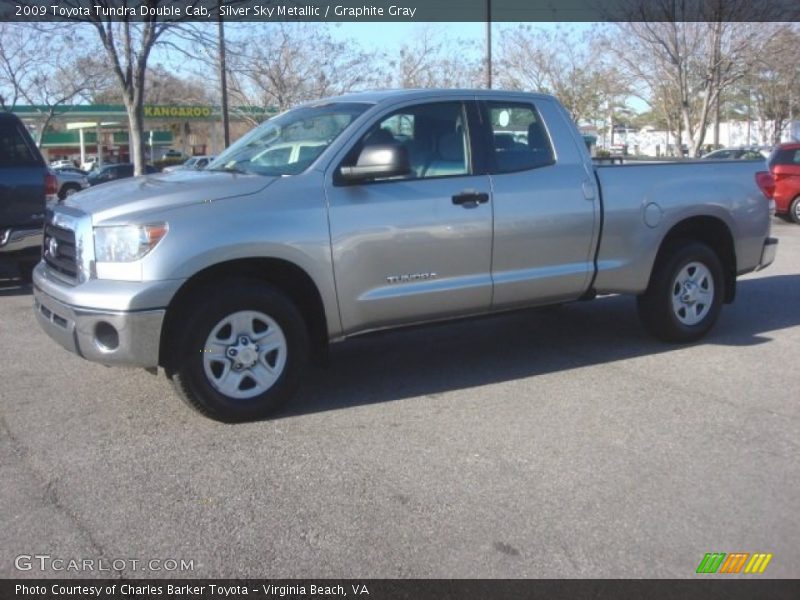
pixel 489 44
pixel 223 80
pixel 749 102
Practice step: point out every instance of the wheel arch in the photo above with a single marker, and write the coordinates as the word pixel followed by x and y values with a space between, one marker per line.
pixel 284 275
pixel 67 185
pixel 713 232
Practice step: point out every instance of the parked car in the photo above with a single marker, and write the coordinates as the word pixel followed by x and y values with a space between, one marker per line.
pixel 70 180
pixel 60 164
pixel 289 153
pixel 108 173
pixel 26 187
pixel 172 153
pixel 736 153
pixel 195 163
pixel 784 164
pixel 89 163
pixel 402 211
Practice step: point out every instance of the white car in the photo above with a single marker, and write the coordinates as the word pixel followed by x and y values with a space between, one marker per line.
pixel 89 163
pixel 61 164
pixel 195 163
pixel 289 153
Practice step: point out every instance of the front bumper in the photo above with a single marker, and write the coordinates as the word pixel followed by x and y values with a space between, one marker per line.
pixel 768 253
pixel 126 338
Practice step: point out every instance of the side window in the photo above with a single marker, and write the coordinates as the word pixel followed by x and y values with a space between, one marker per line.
pixel 14 151
pixel 520 141
pixel 434 135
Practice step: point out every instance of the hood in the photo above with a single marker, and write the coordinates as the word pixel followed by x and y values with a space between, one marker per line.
pixel 165 190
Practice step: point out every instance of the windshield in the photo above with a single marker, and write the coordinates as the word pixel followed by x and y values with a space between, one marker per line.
pixel 289 143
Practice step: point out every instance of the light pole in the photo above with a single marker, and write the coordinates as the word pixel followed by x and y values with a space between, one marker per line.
pixel 749 103
pixel 223 80
pixel 489 44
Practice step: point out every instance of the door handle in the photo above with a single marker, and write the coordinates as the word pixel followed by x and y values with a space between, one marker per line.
pixel 471 198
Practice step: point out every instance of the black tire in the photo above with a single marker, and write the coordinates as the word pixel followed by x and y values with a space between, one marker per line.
pixel 655 305
pixel 794 211
pixel 188 372
pixel 67 189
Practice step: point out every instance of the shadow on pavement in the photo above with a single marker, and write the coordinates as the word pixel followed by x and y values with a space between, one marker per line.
pixel 466 354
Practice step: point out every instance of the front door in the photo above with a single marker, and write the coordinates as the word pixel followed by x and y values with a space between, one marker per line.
pixel 417 247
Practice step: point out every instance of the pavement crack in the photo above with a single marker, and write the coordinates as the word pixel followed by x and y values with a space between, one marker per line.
pixel 50 494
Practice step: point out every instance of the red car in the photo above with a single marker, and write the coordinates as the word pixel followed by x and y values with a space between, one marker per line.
pixel 784 164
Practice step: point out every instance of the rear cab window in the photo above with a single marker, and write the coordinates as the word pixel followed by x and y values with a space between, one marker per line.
pixel 519 140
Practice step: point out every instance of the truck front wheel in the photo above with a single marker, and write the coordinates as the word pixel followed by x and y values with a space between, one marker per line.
pixel 684 298
pixel 240 352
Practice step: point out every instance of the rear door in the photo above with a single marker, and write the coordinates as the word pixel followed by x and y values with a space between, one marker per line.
pixel 546 206
pixel 22 171
pixel 417 247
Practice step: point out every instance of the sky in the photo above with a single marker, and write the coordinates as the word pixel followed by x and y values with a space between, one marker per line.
pixel 388 35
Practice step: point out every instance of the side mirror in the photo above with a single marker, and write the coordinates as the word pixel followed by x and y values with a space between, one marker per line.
pixel 378 160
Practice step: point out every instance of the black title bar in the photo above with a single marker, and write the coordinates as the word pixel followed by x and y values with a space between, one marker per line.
pixel 400 10
pixel 382 589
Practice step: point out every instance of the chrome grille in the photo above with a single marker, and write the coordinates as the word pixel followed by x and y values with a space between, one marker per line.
pixel 59 250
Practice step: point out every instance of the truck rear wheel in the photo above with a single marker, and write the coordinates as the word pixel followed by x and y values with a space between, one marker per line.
pixel 240 352
pixel 684 298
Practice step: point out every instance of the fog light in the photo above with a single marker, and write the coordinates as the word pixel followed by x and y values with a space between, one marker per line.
pixel 106 336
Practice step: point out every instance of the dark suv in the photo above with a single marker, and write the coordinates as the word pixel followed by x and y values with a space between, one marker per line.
pixel 26 186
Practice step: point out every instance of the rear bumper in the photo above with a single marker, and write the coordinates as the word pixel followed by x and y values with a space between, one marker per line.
pixel 768 253
pixel 19 247
pixel 126 338
pixel 20 240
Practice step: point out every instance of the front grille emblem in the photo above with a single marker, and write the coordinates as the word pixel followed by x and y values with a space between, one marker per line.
pixel 52 247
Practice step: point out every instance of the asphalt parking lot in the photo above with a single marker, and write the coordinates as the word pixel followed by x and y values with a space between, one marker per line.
pixel 560 442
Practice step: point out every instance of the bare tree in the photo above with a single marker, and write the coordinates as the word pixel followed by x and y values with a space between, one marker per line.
pixel 686 60
pixel 19 58
pixel 276 65
pixel 431 59
pixel 127 39
pixel 162 86
pixel 774 82
pixel 46 71
pixel 560 63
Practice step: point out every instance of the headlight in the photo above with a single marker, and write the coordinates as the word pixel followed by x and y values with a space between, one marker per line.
pixel 126 243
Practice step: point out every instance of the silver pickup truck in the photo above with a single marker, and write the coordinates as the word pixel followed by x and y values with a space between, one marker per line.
pixel 377 210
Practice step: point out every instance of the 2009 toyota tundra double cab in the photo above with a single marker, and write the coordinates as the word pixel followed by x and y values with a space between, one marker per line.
pixel 377 210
